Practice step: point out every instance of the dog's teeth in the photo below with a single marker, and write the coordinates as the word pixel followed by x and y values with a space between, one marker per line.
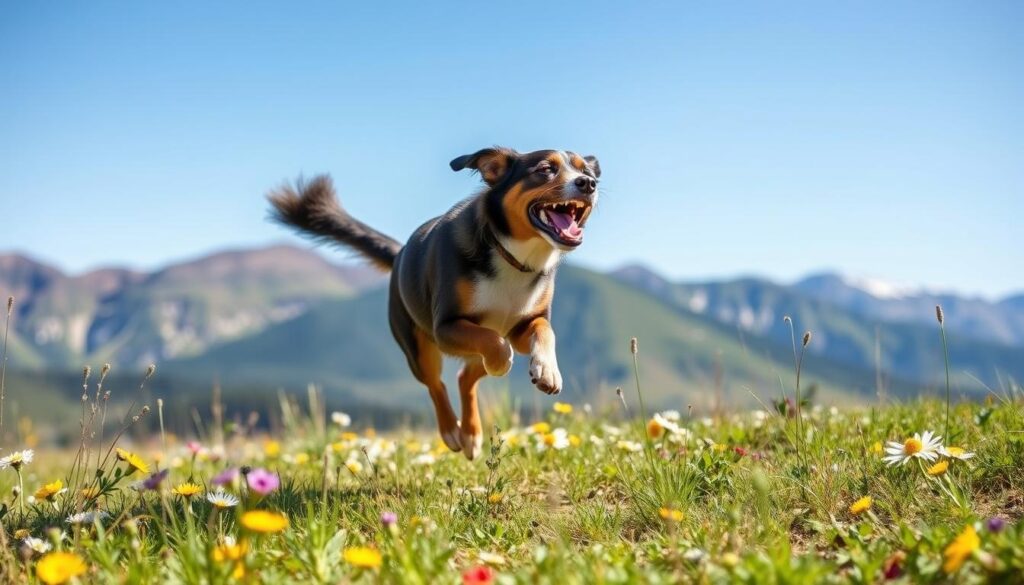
pixel 544 216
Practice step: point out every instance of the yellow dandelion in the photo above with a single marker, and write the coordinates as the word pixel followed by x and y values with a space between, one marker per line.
pixel 271 448
pixel 354 466
pixel 654 429
pixel 135 463
pixel 301 458
pixel 575 441
pixel 494 498
pixel 232 553
pixel 562 408
pixel 876 448
pixel 939 468
pixel 349 436
pixel 363 557
pixel 540 428
pixel 860 506
pixel 187 490
pixel 671 514
pixel 958 551
pixel 264 521
pixel 48 491
pixel 60 567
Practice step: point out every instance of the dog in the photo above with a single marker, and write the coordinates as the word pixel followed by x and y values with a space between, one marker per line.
pixel 475 283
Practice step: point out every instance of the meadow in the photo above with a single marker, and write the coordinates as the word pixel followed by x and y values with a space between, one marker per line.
pixel 793 492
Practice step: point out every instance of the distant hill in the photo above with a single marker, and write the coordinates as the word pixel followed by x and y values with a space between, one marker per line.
pixel 257 320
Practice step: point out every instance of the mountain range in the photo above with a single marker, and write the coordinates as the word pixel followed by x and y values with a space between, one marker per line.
pixel 258 319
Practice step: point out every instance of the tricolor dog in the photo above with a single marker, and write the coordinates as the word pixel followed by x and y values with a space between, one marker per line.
pixel 476 282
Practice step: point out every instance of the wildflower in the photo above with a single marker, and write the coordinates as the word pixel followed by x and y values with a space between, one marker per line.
pixel 654 429
pixel 341 419
pixel 695 555
pixel 271 448
pixel 229 551
pixel 939 468
pixel 21 534
pixel 363 557
pixel 557 439
pixel 956 453
pixel 349 436
pixel 36 545
pixel 17 459
pixel 50 490
pixel 671 514
pixel 300 458
pixel 539 428
pixel 631 446
pixel 958 551
pixel 90 493
pixel 194 447
pixel 562 408
pixel 876 448
pixel 479 575
pixel 262 481
pixel 153 481
pixel 995 524
pixel 860 506
pixel 490 558
pixel 575 441
pixel 388 519
pixel 187 490
pixel 921 446
pixel 87 517
pixel 60 567
pixel 221 499
pixel 424 459
pixel 892 568
pixel 135 463
pixel 354 466
pixel 228 476
pixel 264 521
pixel 495 498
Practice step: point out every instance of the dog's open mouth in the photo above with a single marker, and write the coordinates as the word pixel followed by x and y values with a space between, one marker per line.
pixel 562 220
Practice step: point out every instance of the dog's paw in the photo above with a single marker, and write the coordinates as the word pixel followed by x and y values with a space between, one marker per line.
pixel 500 362
pixel 472 445
pixel 544 373
pixel 451 439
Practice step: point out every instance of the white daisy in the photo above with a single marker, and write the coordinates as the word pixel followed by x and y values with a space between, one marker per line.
pixel 424 459
pixel 341 419
pixel 956 453
pixel 37 545
pixel 17 459
pixel 631 446
pixel 924 446
pixel 222 499
pixel 557 439
pixel 87 517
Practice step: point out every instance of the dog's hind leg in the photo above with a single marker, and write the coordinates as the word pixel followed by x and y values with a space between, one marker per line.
pixel 429 363
pixel 471 433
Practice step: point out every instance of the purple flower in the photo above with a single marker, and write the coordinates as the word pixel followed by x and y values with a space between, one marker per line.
pixel 388 519
pixel 262 481
pixel 996 524
pixel 228 476
pixel 153 481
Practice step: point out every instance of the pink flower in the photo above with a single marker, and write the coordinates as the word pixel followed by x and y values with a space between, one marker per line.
pixel 479 575
pixel 262 481
pixel 194 446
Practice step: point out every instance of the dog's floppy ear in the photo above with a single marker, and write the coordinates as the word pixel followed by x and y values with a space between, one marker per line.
pixel 594 165
pixel 492 163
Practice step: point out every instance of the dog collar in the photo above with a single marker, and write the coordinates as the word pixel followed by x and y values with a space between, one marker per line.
pixel 504 253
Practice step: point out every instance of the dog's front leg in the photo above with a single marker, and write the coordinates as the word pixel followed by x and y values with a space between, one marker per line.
pixel 465 338
pixel 536 338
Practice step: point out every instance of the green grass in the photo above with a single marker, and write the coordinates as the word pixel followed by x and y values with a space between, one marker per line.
pixel 577 499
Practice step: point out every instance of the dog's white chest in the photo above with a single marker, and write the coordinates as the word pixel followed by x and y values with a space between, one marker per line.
pixel 504 301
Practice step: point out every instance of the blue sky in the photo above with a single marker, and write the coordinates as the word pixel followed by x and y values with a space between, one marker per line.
pixel 881 139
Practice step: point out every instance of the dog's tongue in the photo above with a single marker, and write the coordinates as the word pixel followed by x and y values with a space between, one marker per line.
pixel 566 223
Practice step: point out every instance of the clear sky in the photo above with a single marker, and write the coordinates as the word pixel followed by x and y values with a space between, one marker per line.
pixel 880 139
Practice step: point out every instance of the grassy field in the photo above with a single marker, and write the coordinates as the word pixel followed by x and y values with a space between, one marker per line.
pixel 769 496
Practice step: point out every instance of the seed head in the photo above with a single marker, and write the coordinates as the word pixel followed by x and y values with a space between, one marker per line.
pixel 807 338
pixel 10 305
pixel 85 373
pixel 150 370
pixel 938 314
pixel 632 345
pixel 105 370
pixel 786 319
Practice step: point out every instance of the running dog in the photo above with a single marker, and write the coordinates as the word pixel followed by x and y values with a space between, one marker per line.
pixel 476 282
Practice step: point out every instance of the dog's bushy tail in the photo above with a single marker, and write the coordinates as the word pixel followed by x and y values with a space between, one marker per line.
pixel 312 208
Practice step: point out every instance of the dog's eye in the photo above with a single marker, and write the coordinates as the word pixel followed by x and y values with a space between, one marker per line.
pixel 546 168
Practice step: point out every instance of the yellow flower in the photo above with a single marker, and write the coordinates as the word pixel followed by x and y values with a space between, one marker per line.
pixel 349 436
pixel 60 567
pixel 654 429
pixel 956 453
pixel 541 428
pixel 301 458
pixel 562 408
pixel 876 449
pixel 271 448
pixel 234 553
pixel 860 506
pixel 264 521
pixel 960 549
pixel 494 498
pixel 671 514
pixel 354 466
pixel 135 463
pixel 49 490
pixel 90 493
pixel 574 440
pixel 187 490
pixel 21 534
pixel 719 447
pixel 939 468
pixel 363 557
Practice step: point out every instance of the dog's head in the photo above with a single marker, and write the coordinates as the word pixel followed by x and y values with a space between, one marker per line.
pixel 545 193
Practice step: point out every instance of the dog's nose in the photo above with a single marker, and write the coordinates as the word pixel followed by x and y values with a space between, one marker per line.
pixel 586 184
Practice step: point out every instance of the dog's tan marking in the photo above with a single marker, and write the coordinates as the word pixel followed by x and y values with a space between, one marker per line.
pixel 429 360
pixel 472 432
pixel 535 337
pixel 464 338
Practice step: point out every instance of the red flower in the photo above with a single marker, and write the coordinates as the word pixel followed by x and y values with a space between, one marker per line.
pixel 479 575
pixel 740 451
